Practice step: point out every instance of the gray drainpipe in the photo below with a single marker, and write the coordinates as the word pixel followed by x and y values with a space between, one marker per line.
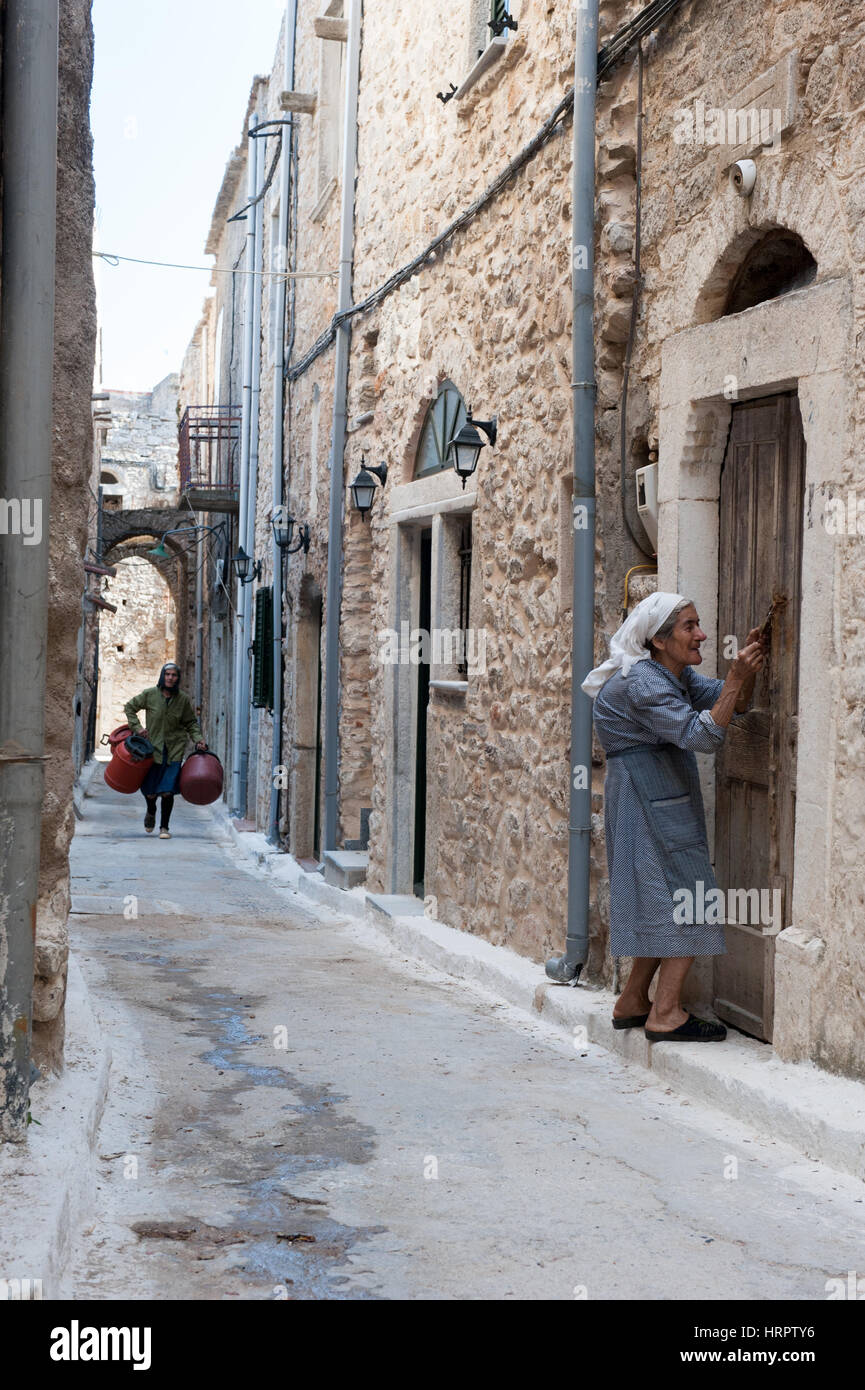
pixel 566 969
pixel 30 55
pixel 279 425
pixel 338 435
pixel 241 623
pixel 252 505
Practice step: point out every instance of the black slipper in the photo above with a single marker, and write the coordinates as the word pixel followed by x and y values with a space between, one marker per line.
pixel 635 1021
pixel 692 1030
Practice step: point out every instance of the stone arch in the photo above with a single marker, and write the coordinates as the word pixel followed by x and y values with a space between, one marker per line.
pixel 788 197
pixel 124 538
pixel 137 637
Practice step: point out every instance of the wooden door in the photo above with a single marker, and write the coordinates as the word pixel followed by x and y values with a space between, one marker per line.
pixel 760 551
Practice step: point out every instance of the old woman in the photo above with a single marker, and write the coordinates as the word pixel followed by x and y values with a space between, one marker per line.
pixel 653 711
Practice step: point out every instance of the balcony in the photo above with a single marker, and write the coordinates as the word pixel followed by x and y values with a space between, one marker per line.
pixel 209 457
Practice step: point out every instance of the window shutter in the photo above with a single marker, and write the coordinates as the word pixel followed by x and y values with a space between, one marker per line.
pixel 498 11
pixel 262 650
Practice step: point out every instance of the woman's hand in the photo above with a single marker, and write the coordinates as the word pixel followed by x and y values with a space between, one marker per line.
pixel 750 658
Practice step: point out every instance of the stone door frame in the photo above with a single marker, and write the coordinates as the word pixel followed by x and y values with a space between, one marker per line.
pixel 803 341
pixel 416 505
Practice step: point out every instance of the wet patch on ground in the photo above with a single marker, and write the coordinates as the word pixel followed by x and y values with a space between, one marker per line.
pixel 272 1243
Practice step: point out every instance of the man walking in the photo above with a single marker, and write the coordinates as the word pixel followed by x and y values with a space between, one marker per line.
pixel 171 722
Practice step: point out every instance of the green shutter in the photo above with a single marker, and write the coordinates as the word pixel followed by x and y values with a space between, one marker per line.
pixel 498 11
pixel 262 650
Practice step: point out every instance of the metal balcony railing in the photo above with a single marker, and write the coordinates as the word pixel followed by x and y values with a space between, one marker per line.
pixel 208 454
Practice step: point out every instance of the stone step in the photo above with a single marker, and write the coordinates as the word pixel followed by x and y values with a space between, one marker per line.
pixel 345 868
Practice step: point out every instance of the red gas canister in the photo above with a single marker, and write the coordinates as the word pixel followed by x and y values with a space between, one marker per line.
pixel 201 779
pixel 124 773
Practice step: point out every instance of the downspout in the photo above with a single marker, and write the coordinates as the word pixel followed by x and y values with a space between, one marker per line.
pixel 254 431
pixel 279 426
pixel 30 92
pixel 199 621
pixel 338 434
pixel 566 969
pixel 241 623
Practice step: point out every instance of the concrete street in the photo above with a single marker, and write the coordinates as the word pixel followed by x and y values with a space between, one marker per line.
pixel 297 1111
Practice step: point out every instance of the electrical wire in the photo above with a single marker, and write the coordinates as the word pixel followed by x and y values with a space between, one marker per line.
pixel 114 260
pixel 239 216
pixel 643 23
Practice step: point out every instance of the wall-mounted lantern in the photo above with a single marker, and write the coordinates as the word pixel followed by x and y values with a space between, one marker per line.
pixel 465 447
pixel 283 524
pixel 242 563
pixel 363 487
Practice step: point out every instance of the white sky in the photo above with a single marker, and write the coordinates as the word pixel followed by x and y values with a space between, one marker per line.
pixel 170 91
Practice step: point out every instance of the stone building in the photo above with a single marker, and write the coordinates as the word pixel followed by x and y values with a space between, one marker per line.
pixel 74 346
pixel 729 299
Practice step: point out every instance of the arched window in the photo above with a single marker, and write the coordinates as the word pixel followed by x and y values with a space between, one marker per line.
pixel 443 420
pixel 781 262
pixel 107 478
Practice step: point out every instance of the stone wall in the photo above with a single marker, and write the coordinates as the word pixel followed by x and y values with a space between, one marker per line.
pixel 136 641
pixel 141 448
pixel 75 340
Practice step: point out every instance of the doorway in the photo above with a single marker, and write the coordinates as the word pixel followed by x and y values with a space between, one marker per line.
pixel 305 798
pixel 760 559
pixel 423 678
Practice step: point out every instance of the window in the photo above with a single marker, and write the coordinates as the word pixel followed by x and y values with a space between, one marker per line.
pixel 499 11
pixel 444 418
pixel 487 29
pixel 262 650
pixel 457 650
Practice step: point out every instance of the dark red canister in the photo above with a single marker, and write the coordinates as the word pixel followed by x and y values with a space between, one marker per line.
pixel 124 773
pixel 201 779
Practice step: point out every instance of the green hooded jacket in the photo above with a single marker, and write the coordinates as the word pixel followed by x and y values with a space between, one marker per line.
pixel 170 723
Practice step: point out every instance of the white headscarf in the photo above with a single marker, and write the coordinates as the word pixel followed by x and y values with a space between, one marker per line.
pixel 628 645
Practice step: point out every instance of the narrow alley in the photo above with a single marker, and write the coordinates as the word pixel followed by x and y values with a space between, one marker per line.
pixel 411 1139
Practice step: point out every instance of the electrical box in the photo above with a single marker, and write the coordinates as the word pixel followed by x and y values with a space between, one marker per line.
pixel 647 501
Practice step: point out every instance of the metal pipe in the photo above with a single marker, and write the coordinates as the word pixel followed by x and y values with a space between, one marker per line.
pixel 338 433
pixel 566 969
pixel 241 622
pixel 279 425
pixel 30 89
pixel 254 432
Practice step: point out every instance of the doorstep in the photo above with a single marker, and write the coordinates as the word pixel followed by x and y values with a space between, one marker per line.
pixel 345 868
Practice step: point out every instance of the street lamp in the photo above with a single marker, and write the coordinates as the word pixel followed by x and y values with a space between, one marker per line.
pixel 283 524
pixel 465 447
pixel 363 487
pixel 242 564
pixel 193 532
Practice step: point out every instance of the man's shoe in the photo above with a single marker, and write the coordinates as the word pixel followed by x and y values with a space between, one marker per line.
pixel 164 834
pixel 149 823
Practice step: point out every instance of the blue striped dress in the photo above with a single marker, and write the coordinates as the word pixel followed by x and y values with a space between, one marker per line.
pixel 650 705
